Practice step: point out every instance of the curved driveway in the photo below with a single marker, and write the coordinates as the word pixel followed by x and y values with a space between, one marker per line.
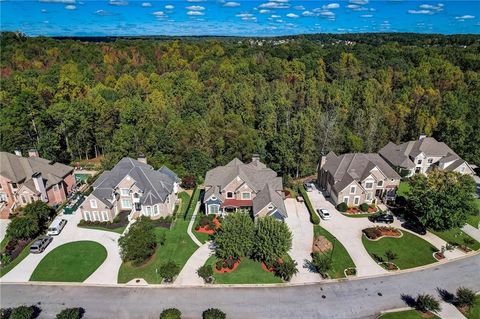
pixel 361 298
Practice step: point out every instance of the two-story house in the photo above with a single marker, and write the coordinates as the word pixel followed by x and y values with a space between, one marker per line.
pixel 357 178
pixel 423 155
pixel 24 180
pixel 238 185
pixel 132 186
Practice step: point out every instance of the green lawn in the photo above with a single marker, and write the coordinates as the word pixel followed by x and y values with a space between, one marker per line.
pixel 456 236
pixel 340 257
pixel 118 230
pixel 412 250
pixel 16 261
pixel 202 237
pixel 403 188
pixel 248 272
pixel 474 220
pixel 71 262
pixel 474 312
pixel 407 314
pixel 178 247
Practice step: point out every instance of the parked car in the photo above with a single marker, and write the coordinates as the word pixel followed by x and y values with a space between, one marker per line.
pixel 56 227
pixel 308 186
pixel 324 214
pixel 300 199
pixel 412 223
pixel 386 218
pixel 40 244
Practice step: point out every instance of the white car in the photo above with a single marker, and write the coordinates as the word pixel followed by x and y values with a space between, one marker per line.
pixel 324 214
pixel 56 227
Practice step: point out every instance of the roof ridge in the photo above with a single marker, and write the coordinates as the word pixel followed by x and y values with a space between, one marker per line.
pixel 148 179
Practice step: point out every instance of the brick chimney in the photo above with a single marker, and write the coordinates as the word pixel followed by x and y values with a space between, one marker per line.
pixel 32 152
pixel 142 158
pixel 39 185
pixel 255 159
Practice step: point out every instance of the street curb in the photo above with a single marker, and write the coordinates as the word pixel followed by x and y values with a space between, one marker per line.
pixel 216 286
pixel 383 312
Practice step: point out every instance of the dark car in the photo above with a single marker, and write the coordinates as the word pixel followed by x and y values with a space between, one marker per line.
pixel 382 218
pixel 412 223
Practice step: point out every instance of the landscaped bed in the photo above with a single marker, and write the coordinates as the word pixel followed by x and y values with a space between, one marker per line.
pixel 118 226
pixel 341 260
pixel 177 247
pixel 21 256
pixel 375 233
pixel 474 312
pixel 457 237
pixel 410 250
pixel 71 262
pixel 407 314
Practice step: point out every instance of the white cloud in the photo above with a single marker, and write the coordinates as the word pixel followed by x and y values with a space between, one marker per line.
pixel 195 13
pixel 464 17
pixel 264 11
pixel 169 7
pixel 420 12
pixel 243 15
pixel 274 5
pixel 118 3
pixel 366 15
pixel 231 4
pixel 195 0
pixel 361 2
pixel 59 1
pixel 292 15
pixel 196 8
pixel 103 13
pixel 43 11
pixel 331 6
pixel 308 14
pixel 275 16
pixel 353 6
pixel 299 8
pixel 327 14
pixel 146 4
pixel 70 7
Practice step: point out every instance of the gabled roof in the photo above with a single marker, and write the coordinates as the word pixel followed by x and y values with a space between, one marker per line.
pixel 155 185
pixel 20 169
pixel 266 196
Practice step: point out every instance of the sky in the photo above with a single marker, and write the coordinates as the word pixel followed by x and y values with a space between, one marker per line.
pixel 236 18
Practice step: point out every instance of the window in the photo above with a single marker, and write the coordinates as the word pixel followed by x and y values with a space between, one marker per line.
pixel 148 211
pixel 155 209
pixel 369 185
pixel 246 196
pixel 353 189
pixel 345 200
pixel 14 185
pixel 229 194
pixel 105 216
pixel 87 216
pixel 462 169
pixel 126 203
pixel 55 187
pixel 24 200
pixel 96 216
pixel 124 191
pixel 430 160
pixel 369 196
pixel 213 209
pixel 380 183
pixel 93 203
pixel 32 199
pixel 356 200
pixel 419 162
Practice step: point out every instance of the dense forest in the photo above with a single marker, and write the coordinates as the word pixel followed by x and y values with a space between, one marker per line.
pixel 196 103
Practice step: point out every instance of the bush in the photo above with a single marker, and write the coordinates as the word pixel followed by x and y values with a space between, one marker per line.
pixel 427 303
pixel 314 219
pixel 342 207
pixel 71 313
pixel 286 270
pixel 213 313
pixel 168 270
pixel 205 272
pixel 322 263
pixel 23 228
pixel 171 313
pixel 465 297
pixel 189 182
pixel 391 255
pixel 39 211
pixel 24 312
pixel 364 207
pixel 219 264
pixel 139 243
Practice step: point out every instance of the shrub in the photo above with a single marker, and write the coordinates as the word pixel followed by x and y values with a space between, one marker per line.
pixel 391 255
pixel 230 262
pixel 314 219
pixel 273 239
pixel 219 264
pixel 205 272
pixel 168 270
pixel 342 207
pixel 465 297
pixel 139 243
pixel 22 312
pixel 23 228
pixel 213 313
pixel 322 263
pixel 427 303
pixel 39 211
pixel 71 313
pixel 189 182
pixel 364 207
pixel 171 313
pixel 286 270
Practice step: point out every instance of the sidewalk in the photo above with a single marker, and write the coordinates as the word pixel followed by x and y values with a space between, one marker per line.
pixel 472 231
pixel 190 226
pixel 449 311
pixel 188 276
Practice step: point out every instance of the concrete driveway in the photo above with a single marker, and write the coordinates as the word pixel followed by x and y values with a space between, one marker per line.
pixel 3 227
pixel 107 272
pixel 302 230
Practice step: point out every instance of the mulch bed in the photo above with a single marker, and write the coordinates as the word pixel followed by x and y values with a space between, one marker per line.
pixel 356 210
pixel 206 229
pixel 224 270
pixel 389 265
pixel 439 256
pixel 264 267
pixel 374 233
pixel 15 247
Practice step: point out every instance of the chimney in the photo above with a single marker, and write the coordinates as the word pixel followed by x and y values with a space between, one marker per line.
pixel 255 159
pixel 421 137
pixel 18 152
pixel 323 160
pixel 32 152
pixel 39 185
pixel 142 158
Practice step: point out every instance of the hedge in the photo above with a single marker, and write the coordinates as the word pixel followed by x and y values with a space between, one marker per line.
pixel 313 215
pixel 193 202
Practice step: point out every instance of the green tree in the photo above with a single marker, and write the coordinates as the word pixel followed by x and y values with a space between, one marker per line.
pixel 286 269
pixel 168 270
pixel 236 235
pixel 71 313
pixel 139 243
pixel 322 263
pixel 171 313
pixel 213 313
pixel 205 272
pixel 23 228
pixel 425 302
pixel 272 239
pixel 441 200
pixel 39 211
pixel 465 297
pixel 22 312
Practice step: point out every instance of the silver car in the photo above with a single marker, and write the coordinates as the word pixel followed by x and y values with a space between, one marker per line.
pixel 324 214
pixel 40 244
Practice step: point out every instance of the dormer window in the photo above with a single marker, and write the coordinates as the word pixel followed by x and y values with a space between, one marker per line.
pixel 229 194
pixel 353 189
pixel 419 162
pixel 430 160
pixel 380 183
pixel 125 191
pixel 93 203
pixel 368 185
pixel 270 207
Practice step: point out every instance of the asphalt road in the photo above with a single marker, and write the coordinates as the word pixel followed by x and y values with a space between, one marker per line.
pixel 363 298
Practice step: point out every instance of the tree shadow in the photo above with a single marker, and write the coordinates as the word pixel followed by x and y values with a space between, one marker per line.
pixel 445 295
pixel 409 300
pixel 307 264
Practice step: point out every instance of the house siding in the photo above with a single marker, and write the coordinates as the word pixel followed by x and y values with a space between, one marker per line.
pixel 87 208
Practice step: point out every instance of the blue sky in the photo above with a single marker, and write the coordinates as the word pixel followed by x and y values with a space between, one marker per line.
pixel 241 18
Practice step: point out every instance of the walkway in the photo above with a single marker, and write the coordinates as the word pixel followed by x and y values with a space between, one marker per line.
pixel 105 274
pixel 3 227
pixel 472 231
pixel 449 311
pixel 188 276
pixel 190 225
pixel 302 230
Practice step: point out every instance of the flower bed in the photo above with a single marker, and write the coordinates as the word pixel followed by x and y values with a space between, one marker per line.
pixel 229 265
pixel 375 233
pixel 12 250
pixel 271 267
pixel 119 221
pixel 389 266
pixel 208 225
pixel 350 272
pixel 438 255
pixel 356 210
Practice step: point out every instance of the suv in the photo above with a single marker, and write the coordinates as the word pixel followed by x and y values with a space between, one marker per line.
pixel 381 218
pixel 308 186
pixel 56 227
pixel 324 214
pixel 40 244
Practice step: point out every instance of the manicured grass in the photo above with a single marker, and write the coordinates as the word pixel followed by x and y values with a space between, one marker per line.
pixel 202 237
pixel 457 236
pixel 340 257
pixel 178 247
pixel 16 261
pixel 71 262
pixel 474 312
pixel 118 230
pixel 407 314
pixel 248 272
pixel 412 250
pixel 4 242
pixel 474 220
